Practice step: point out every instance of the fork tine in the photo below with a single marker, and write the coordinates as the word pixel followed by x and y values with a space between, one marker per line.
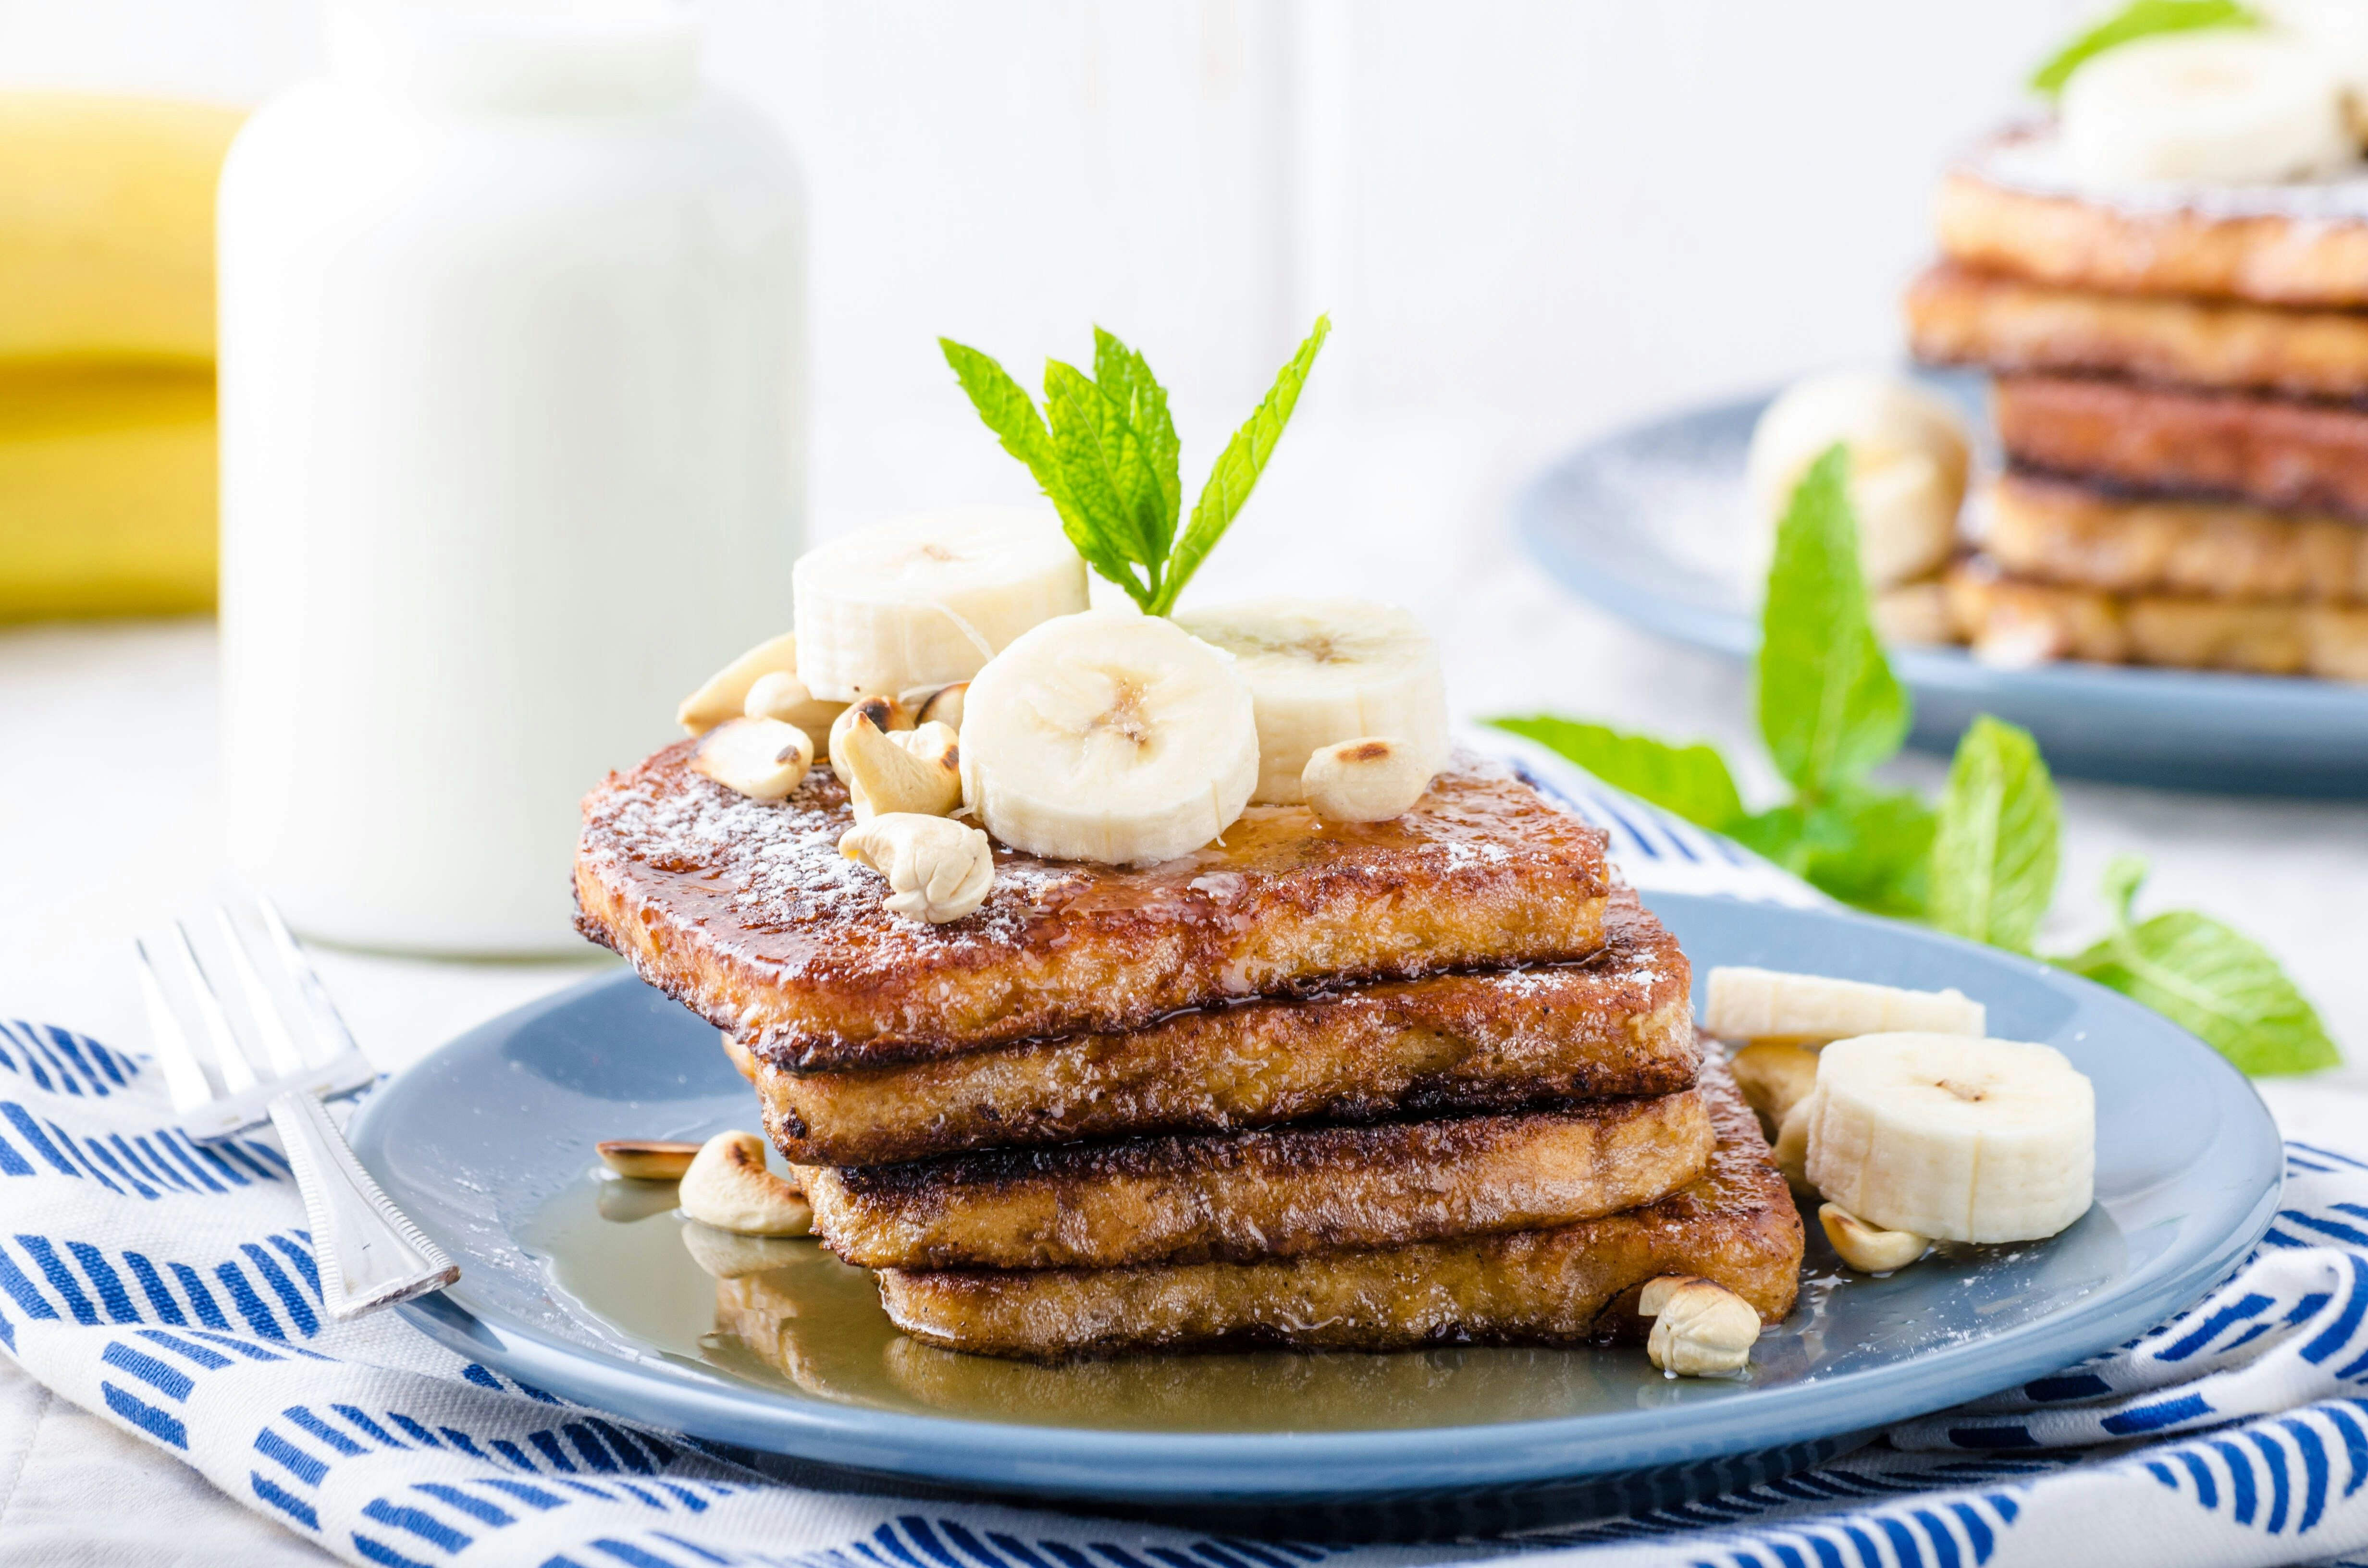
pixel 184 1076
pixel 333 1037
pixel 278 1043
pixel 238 1073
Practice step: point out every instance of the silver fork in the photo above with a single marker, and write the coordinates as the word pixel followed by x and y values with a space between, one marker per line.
pixel 369 1253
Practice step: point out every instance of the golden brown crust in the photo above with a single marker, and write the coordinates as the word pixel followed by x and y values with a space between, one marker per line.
pixel 1617 1023
pixel 745 912
pixel 1273 1193
pixel 2291 456
pixel 2272 259
pixel 1958 316
pixel 1569 1284
pixel 2041 620
pixel 2048 530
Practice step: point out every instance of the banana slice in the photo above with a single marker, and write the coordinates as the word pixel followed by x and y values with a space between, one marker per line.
pixel 1962 1140
pixel 928 601
pixel 2219 106
pixel 1108 736
pixel 1909 456
pixel 2337 31
pixel 1767 1005
pixel 1323 671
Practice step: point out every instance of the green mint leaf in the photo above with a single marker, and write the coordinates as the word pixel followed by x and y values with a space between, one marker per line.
pixel 1867 847
pixel 2208 979
pixel 1690 781
pixel 1237 468
pixel 1882 853
pixel 1829 708
pixel 1007 409
pixel 2140 18
pixel 1126 379
pixel 1994 857
pixel 1100 462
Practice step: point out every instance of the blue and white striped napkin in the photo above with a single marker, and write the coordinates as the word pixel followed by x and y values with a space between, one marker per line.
pixel 170 1288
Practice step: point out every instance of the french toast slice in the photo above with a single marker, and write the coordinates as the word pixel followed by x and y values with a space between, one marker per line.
pixel 2271 452
pixel 745 912
pixel 1959 316
pixel 2044 620
pixel 2048 530
pixel 2011 207
pixel 1571 1284
pixel 1275 1192
pixel 1616 1023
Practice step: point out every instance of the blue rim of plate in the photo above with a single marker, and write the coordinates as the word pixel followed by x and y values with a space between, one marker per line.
pixel 2239 722
pixel 1149 1468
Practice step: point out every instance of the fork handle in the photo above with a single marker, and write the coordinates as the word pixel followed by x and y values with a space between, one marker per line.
pixel 368 1252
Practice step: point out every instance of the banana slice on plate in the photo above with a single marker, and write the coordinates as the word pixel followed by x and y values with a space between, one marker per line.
pixel 928 600
pixel 1324 671
pixel 1108 736
pixel 1909 456
pixel 1773 1006
pixel 1962 1140
pixel 2218 105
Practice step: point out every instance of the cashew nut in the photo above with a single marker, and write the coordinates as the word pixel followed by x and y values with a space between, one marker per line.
pixel 885 713
pixel 1866 1248
pixel 762 758
pixel 1701 1328
pixel 726 695
pixel 647 1159
pixel 937 869
pixel 917 772
pixel 742 1057
pixel 941 704
pixel 1791 1150
pixel 781 695
pixel 728 1187
pixel 1774 1078
pixel 1371 779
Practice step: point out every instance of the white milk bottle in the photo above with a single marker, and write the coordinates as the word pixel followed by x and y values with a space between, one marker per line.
pixel 512 420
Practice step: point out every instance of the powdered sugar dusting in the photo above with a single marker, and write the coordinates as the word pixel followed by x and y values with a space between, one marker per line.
pixel 2030 159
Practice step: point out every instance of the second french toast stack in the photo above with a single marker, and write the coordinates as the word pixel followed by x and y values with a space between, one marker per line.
pixel 2181 391
pixel 1427 1079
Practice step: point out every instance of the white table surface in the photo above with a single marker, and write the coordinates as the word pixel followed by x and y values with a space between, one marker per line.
pixel 107 819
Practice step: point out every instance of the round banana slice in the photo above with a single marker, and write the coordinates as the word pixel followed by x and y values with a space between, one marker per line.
pixel 1778 1006
pixel 1962 1140
pixel 1108 736
pixel 926 601
pixel 1323 671
pixel 1909 455
pixel 2337 31
pixel 2218 106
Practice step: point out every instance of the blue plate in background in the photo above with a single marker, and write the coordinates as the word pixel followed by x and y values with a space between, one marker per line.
pixel 488 1144
pixel 1646 523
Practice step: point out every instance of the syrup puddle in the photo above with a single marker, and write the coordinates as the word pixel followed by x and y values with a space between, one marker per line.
pixel 805 1323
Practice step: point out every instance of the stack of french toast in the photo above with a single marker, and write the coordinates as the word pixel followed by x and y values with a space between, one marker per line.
pixel 2181 394
pixel 1431 1079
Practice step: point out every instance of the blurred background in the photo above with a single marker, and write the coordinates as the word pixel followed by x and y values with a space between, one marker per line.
pixel 1531 223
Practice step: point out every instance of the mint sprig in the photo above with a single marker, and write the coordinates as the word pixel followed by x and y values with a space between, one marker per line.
pixel 1829 707
pixel 1984 865
pixel 1690 780
pixel 2140 18
pixel 2208 979
pixel 1104 452
pixel 1994 857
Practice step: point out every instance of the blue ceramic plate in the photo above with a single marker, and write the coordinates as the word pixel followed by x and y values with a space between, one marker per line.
pixel 586 1287
pixel 1644 523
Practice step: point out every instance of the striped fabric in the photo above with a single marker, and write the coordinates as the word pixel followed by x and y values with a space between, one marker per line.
pixel 170 1288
